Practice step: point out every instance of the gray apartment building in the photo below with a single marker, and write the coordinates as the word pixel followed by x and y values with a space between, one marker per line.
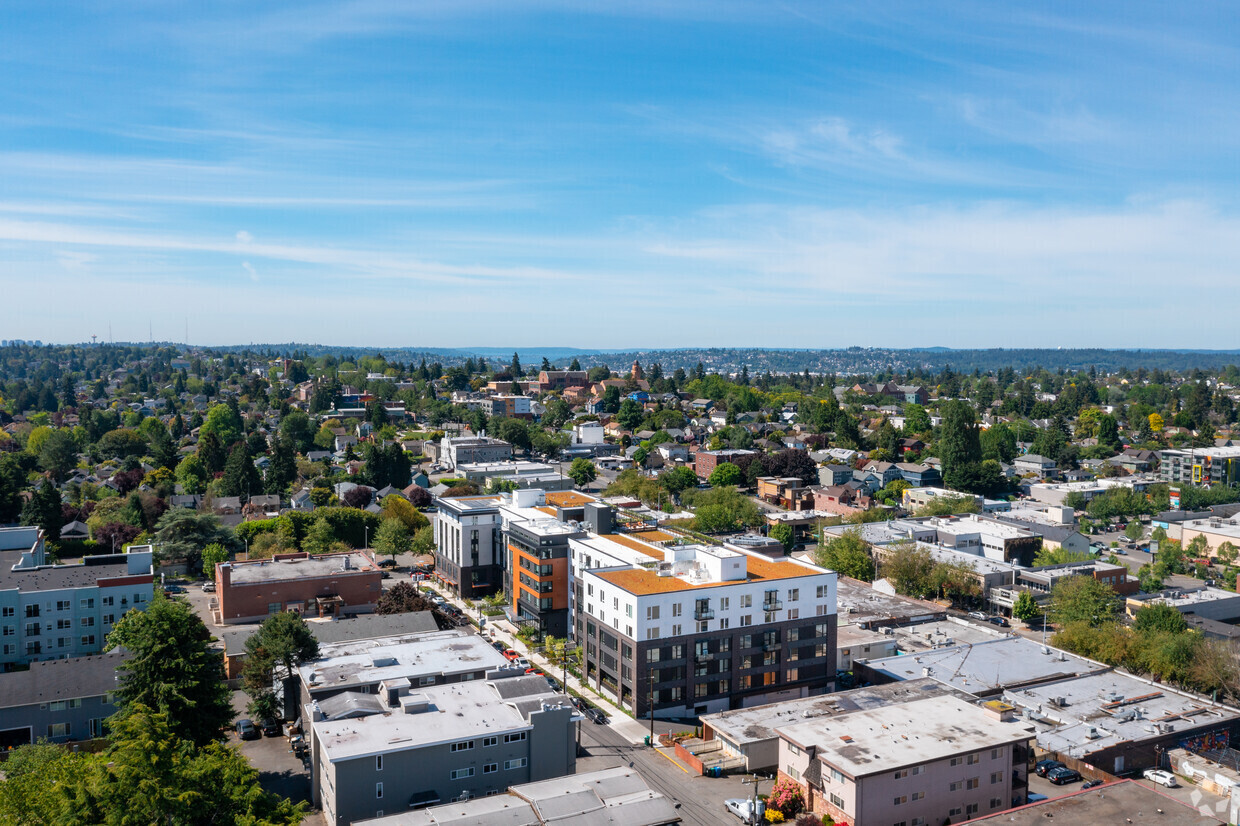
pixel 1200 466
pixel 455 451
pixel 469 556
pixel 426 746
pixel 52 612
pixel 60 701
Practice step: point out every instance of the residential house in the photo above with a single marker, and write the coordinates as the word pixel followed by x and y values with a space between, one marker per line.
pixel 60 701
pixel 1033 463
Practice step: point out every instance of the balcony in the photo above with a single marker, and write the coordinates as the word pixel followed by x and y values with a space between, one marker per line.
pixel 772 605
pixel 703 614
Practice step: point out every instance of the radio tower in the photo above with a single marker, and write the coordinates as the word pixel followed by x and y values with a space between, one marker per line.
pixel 92 339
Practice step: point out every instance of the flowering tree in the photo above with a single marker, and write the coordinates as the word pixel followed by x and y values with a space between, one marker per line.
pixel 787 797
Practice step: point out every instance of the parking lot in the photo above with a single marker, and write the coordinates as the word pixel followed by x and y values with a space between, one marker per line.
pixel 1185 792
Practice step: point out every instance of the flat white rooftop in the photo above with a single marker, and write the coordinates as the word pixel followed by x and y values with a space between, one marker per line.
pixel 364 662
pixel 987 667
pixel 886 738
pixel 457 711
pixel 275 570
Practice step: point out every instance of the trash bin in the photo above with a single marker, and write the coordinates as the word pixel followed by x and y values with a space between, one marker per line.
pixel 647 739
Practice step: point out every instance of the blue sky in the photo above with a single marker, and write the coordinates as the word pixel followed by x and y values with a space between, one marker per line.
pixel 625 174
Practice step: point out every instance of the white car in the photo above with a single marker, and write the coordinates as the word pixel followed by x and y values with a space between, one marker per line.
pixel 742 806
pixel 1161 777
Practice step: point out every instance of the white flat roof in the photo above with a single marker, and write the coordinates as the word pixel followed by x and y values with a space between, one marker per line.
pixel 362 662
pixel 987 667
pixel 921 731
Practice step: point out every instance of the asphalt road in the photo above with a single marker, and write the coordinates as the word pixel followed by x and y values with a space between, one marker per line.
pixel 701 798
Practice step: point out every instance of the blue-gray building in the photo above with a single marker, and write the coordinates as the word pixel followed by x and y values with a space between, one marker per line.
pixel 58 700
pixel 58 611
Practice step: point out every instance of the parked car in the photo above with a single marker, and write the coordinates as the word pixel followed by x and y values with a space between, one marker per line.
pixel 743 808
pixel 521 662
pixel 1089 784
pixel 385 575
pixel 208 587
pixel 1063 775
pixel 977 615
pixel 387 563
pixel 510 654
pixel 1034 797
pixel 552 684
pixel 1161 777
pixel 1044 766
pixel 174 589
pixel 272 728
pixel 247 731
pixel 599 718
pixel 999 621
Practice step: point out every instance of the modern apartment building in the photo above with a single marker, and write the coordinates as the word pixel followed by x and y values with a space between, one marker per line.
pixel 1200 466
pixel 459 450
pixel 515 407
pixel 468 547
pixel 317 586
pixel 689 629
pixel 50 612
pixel 924 762
pixel 430 745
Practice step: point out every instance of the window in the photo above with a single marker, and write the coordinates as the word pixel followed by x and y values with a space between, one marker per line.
pixel 971 783
pixel 955 811
pixel 58 730
pixel 794 613
pixel 957 785
pixel 652 653
pixel 995 754
pixel 8 610
pixel 489 741
pixel 87 603
pixel 900 800
pixel 746 619
pixel 272 607
pixel 378 791
pixel 791 771
pixel 703 626
pixel 918 795
pixel 823 591
pixel 996 802
pixel 88 622
pixel 837 776
pixel 724 602
pixel 901 774
pixel 514 738
pixel 956 761
pixel 821 610
pixel 699 690
pixel 89 639
pixel 63 605
pixel 108 601
pixel 971 809
pixel 62 624
pixel 9 630
pixel 973 759
pixel 916 770
pixel 628 610
pixel 676 630
pixel 32 611
pixel 724 623
pixel 95 726
pixel 793 748
pixel 32 629
pixel 794 594
pixel 746 601
pixel 652 612
pixel 109 619
pixel 458 774
pixel 996 777
pixel 517 763
pixel 464 745
pixel 675 609
pixel 490 768
pixel 837 800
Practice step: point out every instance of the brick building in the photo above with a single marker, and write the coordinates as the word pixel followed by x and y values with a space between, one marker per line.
pixel 319 586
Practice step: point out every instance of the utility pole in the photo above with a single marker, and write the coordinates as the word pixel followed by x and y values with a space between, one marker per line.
pixel 753 800
pixel 650 702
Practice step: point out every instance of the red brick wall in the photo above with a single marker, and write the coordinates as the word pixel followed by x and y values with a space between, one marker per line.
pixel 359 591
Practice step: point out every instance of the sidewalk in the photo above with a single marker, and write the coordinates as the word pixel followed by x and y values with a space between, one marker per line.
pixel 635 731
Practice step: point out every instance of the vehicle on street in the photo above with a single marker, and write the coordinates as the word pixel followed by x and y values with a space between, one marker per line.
pixel 247 731
pixel 599 718
pixel 174 589
pixel 385 575
pixel 272 728
pixel 552 684
pixel 1044 766
pixel 208 587
pixel 1161 777
pixel 1120 552
pixel 521 662
pixel 1063 775
pixel 510 653
pixel 999 621
pixel 743 808
pixel 977 615
pixel 387 563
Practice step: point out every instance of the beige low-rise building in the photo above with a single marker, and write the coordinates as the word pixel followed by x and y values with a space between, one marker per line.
pixel 937 760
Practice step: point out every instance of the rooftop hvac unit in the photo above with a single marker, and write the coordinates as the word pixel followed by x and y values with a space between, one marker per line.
pixel 1092 733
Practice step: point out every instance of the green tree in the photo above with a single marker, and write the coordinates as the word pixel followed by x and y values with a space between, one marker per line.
pixel 916 419
pixel 848 555
pixel 212 555
pixel 182 534
pixel 678 479
pixel 403 598
pixel 273 652
pixel 959 444
pixel 319 537
pixel 296 428
pixel 630 414
pixel 240 476
pixel 192 475
pixel 582 471
pixel 909 569
pixel 1159 618
pixel 211 452
pixel 58 455
pixel 1058 556
pixel 393 538
pixel 783 533
pixel 424 540
pixel 725 474
pixel 282 469
pixel 173 669
pixel 1134 531
pixel 398 507
pixel 224 423
pixel 1026 607
pixel 1082 599
pixel 44 509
